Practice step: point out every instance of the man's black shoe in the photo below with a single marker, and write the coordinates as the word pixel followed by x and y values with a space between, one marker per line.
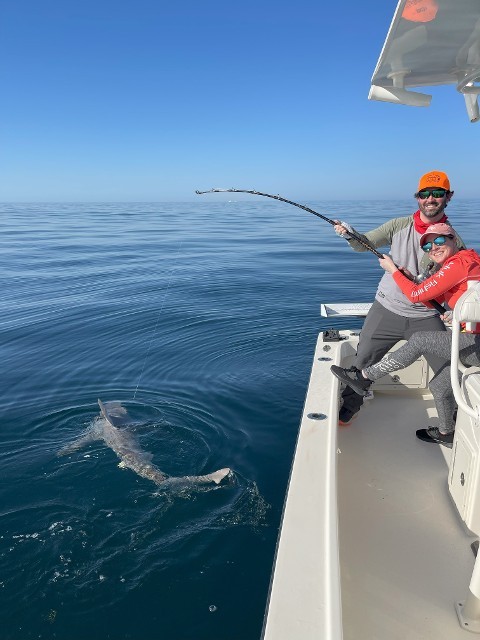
pixel 433 434
pixel 353 378
pixel 345 416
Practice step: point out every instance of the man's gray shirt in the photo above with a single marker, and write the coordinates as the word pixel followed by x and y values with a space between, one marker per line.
pixel 404 241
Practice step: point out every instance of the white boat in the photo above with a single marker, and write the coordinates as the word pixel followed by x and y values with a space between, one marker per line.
pixel 379 532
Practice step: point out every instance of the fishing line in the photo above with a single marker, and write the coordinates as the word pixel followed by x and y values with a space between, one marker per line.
pixel 359 239
pixel 158 316
pixel 352 233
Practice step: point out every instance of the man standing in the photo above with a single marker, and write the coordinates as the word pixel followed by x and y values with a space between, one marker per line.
pixel 392 316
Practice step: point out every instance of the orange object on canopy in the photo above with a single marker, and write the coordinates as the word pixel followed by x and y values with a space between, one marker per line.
pixel 420 10
pixel 443 50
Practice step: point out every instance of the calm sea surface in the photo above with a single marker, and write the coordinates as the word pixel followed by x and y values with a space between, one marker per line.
pixel 202 319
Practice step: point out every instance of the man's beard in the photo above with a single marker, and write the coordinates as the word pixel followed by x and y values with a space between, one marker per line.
pixel 433 213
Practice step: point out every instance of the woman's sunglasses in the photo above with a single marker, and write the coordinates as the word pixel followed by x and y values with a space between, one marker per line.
pixel 426 193
pixel 439 241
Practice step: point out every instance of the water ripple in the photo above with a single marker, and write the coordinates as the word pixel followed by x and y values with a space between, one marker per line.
pixel 202 318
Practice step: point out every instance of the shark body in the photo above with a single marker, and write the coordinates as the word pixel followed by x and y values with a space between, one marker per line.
pixel 110 427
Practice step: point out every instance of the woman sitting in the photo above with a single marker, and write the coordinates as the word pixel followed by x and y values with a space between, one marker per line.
pixel 446 285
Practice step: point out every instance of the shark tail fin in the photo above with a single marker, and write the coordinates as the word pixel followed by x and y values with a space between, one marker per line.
pixel 216 476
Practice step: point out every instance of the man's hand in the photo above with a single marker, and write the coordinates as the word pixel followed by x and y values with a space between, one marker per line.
pixel 447 317
pixel 343 229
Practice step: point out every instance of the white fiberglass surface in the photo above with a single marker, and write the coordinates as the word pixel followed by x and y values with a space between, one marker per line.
pixel 430 42
pixel 405 555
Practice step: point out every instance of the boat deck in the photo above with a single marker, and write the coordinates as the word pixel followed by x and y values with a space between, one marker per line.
pixel 405 556
pixel 371 545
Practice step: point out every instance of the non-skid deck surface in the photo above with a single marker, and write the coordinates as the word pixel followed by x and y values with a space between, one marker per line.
pixel 405 555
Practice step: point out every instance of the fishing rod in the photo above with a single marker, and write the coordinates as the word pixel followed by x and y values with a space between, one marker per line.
pixel 358 238
pixel 436 305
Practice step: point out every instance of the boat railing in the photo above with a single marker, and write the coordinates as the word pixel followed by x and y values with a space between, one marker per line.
pixel 305 591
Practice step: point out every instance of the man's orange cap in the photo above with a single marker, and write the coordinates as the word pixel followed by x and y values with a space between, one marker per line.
pixel 420 10
pixel 434 179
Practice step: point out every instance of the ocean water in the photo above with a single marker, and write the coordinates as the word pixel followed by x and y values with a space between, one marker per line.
pixel 201 318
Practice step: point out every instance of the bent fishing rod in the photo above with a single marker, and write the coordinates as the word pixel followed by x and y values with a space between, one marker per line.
pixel 352 233
pixel 300 206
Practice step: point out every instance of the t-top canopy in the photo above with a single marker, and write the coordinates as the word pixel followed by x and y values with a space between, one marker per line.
pixel 430 42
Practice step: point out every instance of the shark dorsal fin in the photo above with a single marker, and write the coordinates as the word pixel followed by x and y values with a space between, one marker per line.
pixel 114 413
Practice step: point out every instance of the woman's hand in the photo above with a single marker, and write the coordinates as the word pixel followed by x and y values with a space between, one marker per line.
pixel 387 264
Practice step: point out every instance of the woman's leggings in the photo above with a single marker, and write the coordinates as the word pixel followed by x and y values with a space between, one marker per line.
pixel 437 343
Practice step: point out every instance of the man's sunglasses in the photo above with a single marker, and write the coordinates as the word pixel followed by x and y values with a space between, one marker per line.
pixel 439 241
pixel 426 193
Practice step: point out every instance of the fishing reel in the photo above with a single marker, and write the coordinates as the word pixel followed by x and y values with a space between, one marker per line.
pixel 426 273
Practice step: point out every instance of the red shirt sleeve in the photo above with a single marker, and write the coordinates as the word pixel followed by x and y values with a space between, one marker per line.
pixel 435 287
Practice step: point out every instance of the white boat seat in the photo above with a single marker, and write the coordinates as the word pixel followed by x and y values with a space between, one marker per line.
pixel 467 310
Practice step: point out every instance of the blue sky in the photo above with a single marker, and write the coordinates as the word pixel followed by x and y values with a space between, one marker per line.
pixel 150 100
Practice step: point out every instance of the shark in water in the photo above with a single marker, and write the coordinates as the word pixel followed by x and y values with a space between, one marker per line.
pixel 110 427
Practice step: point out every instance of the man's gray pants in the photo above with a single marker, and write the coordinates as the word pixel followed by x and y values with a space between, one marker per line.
pixel 382 330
